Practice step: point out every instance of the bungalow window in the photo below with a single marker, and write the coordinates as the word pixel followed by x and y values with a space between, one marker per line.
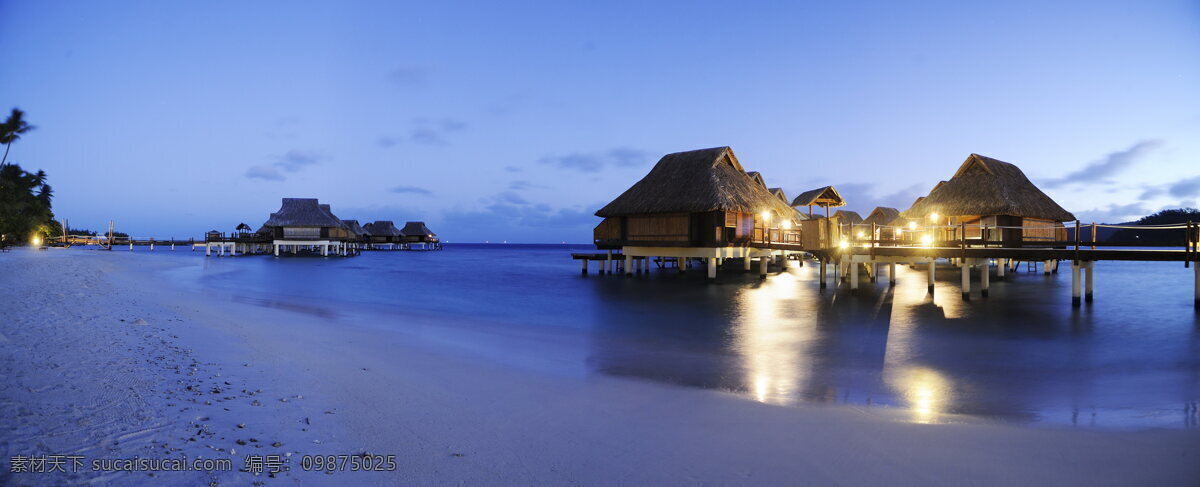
pixel 302 232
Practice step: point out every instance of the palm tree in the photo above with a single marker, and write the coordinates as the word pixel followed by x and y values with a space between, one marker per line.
pixel 11 130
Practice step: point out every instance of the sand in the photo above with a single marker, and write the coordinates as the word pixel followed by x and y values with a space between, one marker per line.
pixel 102 357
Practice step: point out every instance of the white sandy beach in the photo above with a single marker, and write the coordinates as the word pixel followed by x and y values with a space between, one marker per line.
pixel 101 358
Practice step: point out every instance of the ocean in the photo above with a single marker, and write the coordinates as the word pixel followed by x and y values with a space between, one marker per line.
pixel 1130 359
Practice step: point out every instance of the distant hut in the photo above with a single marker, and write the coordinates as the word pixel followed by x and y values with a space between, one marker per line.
pixel 417 233
pixel 757 177
pixel 849 217
pixel 697 203
pixel 303 222
pixel 356 230
pixel 243 228
pixel 992 193
pixel 383 233
pixel 881 219
pixel 825 197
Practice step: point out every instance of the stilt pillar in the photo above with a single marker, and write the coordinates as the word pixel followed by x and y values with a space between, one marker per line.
pixel 276 249
pixel 628 265
pixel 853 271
pixel 823 266
pixel 874 272
pixel 608 263
pixel 1001 266
pixel 1046 268
pixel 680 264
pixel 1075 284
pixel 1090 268
pixel 1196 301
pixel 892 274
pixel 585 262
pixel 985 271
pixel 932 269
pixel 762 266
pixel 208 250
pixel 966 281
pixel 746 262
pixel 712 267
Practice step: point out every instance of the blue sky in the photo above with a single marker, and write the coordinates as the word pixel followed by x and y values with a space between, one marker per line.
pixel 516 121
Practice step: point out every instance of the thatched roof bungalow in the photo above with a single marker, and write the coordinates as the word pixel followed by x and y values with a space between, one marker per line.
pixel 993 193
pixel 699 198
pixel 355 229
pixel 305 219
pixel 383 231
pixel 848 217
pixel 825 197
pixel 881 216
pixel 414 232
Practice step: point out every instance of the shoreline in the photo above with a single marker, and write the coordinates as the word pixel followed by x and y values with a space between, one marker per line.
pixel 457 417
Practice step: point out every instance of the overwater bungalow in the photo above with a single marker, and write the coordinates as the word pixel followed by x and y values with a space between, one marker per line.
pixel 881 219
pixel 995 202
pixel 383 234
pixel 357 232
pixel 305 223
pixel 825 197
pixel 417 234
pixel 695 204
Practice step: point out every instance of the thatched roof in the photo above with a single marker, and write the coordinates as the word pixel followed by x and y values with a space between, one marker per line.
pixel 695 181
pixel 984 186
pixel 328 210
pixel 847 216
pixel 382 228
pixel 354 227
pixel 824 196
pixel 302 212
pixel 415 229
pixel 882 215
pixel 757 177
pixel 778 192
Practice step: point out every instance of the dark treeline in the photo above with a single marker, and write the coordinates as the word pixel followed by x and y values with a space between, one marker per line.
pixel 1164 217
pixel 25 197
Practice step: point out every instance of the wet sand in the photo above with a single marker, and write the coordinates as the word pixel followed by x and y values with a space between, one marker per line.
pixel 183 370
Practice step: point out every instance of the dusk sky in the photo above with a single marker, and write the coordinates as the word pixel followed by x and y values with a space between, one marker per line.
pixel 516 121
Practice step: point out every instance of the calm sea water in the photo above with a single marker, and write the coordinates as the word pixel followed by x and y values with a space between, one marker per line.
pixel 1130 359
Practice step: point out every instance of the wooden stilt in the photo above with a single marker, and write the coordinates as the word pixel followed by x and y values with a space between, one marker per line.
pixel 628 265
pixel 892 274
pixel 585 262
pixel 1090 268
pixel 762 266
pixel 1075 284
pixel 932 269
pixel 853 271
pixel 681 264
pixel 823 266
pixel 1196 269
pixel 874 272
pixel 746 262
pixel 984 275
pixel 966 281
pixel 1046 268
pixel 712 267
pixel 1001 266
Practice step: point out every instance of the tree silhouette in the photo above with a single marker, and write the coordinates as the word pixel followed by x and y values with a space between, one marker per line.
pixel 11 131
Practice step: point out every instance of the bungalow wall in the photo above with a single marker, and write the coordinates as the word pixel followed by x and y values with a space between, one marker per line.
pixel 309 233
pixel 701 229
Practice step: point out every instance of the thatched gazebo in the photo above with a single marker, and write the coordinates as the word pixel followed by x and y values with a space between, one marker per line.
pixel 993 193
pixel 698 203
pixel 825 197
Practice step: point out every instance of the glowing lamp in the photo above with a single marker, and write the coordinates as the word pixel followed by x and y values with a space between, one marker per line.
pixel 926 240
pixel 912 225
pixel 860 234
pixel 787 224
pixel 766 216
pixel 844 244
pixel 933 216
pixel 36 241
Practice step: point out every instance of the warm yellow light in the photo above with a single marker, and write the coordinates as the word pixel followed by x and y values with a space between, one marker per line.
pixel 926 240
pixel 787 224
pixel 933 216
pixel 912 225
pixel 860 234
pixel 844 244
pixel 36 241
pixel 766 216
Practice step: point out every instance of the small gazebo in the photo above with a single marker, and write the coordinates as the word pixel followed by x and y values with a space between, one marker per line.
pixel 825 197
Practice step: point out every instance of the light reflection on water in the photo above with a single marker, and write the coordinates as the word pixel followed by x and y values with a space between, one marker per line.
pixel 1132 358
